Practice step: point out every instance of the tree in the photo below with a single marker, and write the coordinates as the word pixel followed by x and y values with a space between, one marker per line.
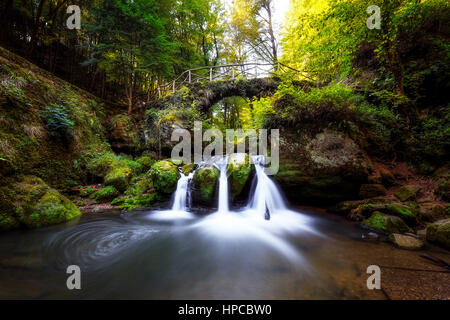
pixel 132 43
pixel 252 24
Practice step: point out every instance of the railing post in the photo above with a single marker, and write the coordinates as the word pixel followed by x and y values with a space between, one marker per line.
pixel 210 74
pixel 173 86
pixel 233 74
pixel 190 76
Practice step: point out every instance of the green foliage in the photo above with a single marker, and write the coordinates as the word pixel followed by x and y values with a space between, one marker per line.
pixel 130 202
pixel 408 55
pixel 334 103
pixel 57 122
pixel 119 178
pixel 106 194
pixel 146 162
pixel 165 176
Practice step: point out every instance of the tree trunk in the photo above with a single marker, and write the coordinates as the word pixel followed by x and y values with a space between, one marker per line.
pixel 271 33
pixel 36 27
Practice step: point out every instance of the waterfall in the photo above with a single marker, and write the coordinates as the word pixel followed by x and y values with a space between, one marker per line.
pixel 265 198
pixel 182 194
pixel 223 186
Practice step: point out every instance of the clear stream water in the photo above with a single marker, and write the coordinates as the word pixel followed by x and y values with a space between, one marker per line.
pixel 177 254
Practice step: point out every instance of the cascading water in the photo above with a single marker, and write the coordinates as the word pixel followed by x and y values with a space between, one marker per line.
pixel 266 198
pixel 223 186
pixel 181 199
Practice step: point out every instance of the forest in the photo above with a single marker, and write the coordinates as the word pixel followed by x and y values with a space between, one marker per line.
pixel 92 91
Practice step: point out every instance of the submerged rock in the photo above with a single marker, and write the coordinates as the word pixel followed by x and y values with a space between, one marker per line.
pixel 439 233
pixel 165 176
pixel 406 242
pixel 407 193
pixel 239 171
pixel 386 223
pixel 205 185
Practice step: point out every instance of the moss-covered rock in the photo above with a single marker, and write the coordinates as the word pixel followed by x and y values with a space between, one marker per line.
pixel 124 135
pixel 146 162
pixel 321 168
pixel 239 171
pixel 119 178
pixel 205 185
pixel 386 223
pixel 406 242
pixel 8 222
pixel 133 202
pixel 34 204
pixel 406 213
pixel 432 212
pixel 165 176
pixel 345 207
pixel 439 233
pixel 407 193
pixel 372 191
pixel 141 185
pixel 86 192
pixel 188 168
pixel 106 194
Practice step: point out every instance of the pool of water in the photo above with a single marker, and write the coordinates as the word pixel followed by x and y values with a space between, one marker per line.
pixel 301 254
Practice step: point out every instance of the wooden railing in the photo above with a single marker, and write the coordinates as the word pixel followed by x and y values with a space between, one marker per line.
pixel 223 72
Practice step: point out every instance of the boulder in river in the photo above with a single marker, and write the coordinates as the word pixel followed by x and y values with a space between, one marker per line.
pixel 205 183
pixel 239 170
pixel 32 203
pixel 406 242
pixel 386 223
pixel 165 176
pixel 439 233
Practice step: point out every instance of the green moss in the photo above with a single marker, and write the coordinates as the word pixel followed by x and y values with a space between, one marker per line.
pixel 8 222
pixel 165 176
pixel 188 168
pixel 38 205
pixel 119 178
pixel 205 183
pixel 439 233
pixel 80 204
pixel 239 169
pixel 86 192
pixel 141 185
pixel 345 207
pixel 386 223
pixel 106 194
pixel 406 193
pixel 130 202
pixel 124 134
pixel 404 212
pixel 146 162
